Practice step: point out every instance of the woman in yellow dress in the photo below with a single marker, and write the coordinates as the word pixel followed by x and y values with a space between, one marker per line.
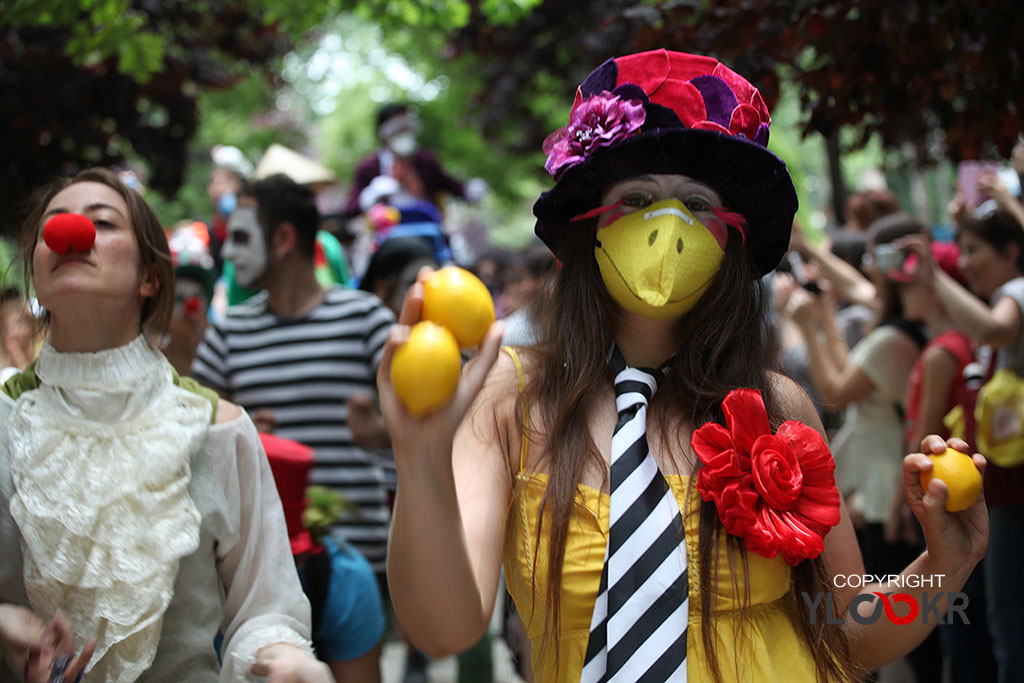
pixel 662 500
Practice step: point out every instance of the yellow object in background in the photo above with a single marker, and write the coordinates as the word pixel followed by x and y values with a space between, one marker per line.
pixel 425 369
pixel 1000 416
pixel 962 478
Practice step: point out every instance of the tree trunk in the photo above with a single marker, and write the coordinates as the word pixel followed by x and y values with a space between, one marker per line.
pixel 835 173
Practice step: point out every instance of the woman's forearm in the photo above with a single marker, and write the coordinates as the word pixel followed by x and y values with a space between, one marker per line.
pixel 850 284
pixel 430 575
pixel 822 366
pixel 932 586
pixel 835 342
pixel 970 314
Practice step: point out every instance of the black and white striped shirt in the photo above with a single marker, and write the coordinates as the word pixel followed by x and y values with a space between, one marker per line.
pixel 304 370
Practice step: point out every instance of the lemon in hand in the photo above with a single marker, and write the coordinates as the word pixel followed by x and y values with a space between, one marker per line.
pixel 457 299
pixel 425 369
pixel 962 478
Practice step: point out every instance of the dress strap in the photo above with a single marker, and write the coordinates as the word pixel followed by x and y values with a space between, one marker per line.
pixel 190 384
pixel 26 380
pixel 521 381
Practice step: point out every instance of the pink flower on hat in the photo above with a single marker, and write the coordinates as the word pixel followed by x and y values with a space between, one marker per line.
pixel 598 121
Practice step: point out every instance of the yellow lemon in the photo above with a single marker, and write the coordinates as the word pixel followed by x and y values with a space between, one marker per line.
pixel 425 369
pixel 962 478
pixel 457 299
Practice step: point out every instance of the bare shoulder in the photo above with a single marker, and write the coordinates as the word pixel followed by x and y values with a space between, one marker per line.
pixel 495 409
pixel 793 401
pixel 501 388
pixel 227 411
pixel 936 355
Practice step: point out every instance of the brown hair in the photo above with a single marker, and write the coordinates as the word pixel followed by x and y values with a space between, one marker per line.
pixel 726 346
pixel 149 234
pixel 999 229
pixel 864 208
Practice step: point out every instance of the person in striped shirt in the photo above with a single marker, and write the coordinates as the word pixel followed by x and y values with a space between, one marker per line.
pixel 295 354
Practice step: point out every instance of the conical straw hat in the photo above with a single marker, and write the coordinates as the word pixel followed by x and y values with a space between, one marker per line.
pixel 300 168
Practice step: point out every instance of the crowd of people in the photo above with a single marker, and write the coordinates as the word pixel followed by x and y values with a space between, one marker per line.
pixel 206 473
pixel 883 328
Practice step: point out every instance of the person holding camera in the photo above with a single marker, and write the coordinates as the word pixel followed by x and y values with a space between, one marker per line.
pixel 990 310
pixel 870 383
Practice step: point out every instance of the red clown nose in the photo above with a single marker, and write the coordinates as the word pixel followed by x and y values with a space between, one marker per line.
pixel 192 305
pixel 69 231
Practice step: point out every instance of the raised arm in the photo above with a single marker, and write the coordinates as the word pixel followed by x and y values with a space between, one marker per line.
pixel 837 385
pixel 997 326
pixel 848 282
pixel 991 186
pixel 956 542
pixel 448 527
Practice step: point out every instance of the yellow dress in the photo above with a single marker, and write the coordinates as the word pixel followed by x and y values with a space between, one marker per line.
pixel 765 646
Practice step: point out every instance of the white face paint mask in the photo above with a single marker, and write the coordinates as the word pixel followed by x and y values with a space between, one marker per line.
pixel 246 246
pixel 403 144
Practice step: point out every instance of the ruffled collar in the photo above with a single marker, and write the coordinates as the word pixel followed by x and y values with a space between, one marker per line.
pixel 123 368
pixel 101 464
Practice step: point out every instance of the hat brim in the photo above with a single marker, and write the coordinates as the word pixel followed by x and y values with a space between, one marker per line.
pixel 302 543
pixel 751 180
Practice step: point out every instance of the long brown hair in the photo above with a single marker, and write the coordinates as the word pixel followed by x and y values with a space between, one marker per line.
pixel 724 345
pixel 154 252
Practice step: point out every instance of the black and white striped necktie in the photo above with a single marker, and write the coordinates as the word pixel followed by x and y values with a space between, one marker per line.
pixel 638 631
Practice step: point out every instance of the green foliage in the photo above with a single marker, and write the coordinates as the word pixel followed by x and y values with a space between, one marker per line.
pixel 99 30
pixel 142 56
pixel 12 275
pixel 162 82
pixel 233 116
pixel 324 507
pixel 104 29
pixel 507 11
pixel 332 88
pixel 443 91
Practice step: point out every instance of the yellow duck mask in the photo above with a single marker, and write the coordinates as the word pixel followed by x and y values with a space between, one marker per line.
pixel 659 260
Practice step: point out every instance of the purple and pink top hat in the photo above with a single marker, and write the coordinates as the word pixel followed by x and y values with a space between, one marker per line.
pixel 674 113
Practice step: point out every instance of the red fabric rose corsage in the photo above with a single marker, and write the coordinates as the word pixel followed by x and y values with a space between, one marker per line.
pixel 775 491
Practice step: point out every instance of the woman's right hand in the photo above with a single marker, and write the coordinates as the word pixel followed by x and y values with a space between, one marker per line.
pixel 958 209
pixel 409 434
pixel 31 646
pixel 798 241
pixel 804 309
pixel 992 187
pixel 920 246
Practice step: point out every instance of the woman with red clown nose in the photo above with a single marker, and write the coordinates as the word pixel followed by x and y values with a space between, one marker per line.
pixel 659 496
pixel 138 515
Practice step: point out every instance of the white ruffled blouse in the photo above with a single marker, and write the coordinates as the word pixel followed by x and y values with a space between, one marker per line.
pixel 151 528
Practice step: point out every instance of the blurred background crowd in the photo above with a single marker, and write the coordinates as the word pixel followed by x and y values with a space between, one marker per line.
pixel 416 127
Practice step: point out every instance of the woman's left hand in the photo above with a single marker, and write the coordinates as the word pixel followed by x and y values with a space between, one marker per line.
pixel 920 247
pixel 41 651
pixel 285 663
pixel 957 540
